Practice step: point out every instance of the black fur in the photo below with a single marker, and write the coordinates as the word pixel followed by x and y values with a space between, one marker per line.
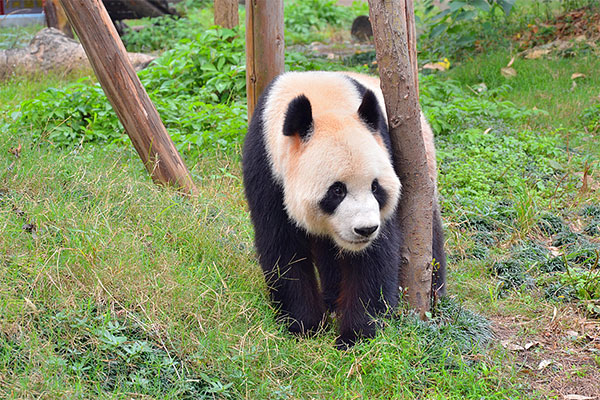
pixel 382 127
pixel 357 286
pixel 283 249
pixel 298 118
pixel 379 193
pixel 438 280
pixel 333 198
pixel 369 111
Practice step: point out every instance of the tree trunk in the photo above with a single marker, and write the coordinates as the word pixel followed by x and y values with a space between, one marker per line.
pixel 226 13
pixel 395 45
pixel 264 46
pixel 56 17
pixel 126 93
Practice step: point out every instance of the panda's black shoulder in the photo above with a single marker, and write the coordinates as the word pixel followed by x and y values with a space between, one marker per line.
pixel 254 154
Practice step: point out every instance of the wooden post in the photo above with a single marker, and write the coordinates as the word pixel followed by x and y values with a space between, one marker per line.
pixel 395 45
pixel 56 17
pixel 264 46
pixel 226 13
pixel 126 93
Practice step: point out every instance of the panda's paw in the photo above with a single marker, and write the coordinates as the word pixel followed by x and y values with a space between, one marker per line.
pixel 343 343
pixel 307 328
pixel 349 338
pixel 330 303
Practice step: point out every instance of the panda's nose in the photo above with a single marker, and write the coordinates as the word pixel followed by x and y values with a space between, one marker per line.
pixel 366 231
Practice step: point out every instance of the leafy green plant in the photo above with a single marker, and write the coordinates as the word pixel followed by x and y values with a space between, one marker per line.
pixel 460 24
pixel 119 354
pixel 585 285
pixel 158 33
pixel 590 118
pixel 307 21
pixel 197 87
pixel 303 17
pixel 164 32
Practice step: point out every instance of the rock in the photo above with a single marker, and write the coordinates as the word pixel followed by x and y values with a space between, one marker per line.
pixel 361 29
pixel 52 50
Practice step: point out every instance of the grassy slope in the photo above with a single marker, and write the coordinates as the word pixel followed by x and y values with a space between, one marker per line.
pixel 124 287
pixel 129 290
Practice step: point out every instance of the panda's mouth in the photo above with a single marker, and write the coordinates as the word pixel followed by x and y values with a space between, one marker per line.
pixel 353 245
pixel 359 241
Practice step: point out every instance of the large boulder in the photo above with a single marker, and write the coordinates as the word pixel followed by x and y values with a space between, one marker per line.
pixel 52 50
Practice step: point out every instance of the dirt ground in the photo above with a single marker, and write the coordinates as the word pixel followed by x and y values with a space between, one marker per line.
pixel 557 353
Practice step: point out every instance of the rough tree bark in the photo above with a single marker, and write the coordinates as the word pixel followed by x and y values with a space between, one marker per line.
pixel 226 13
pixel 264 46
pixel 126 93
pixel 395 45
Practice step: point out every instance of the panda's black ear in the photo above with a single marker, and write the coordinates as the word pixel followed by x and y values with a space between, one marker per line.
pixel 369 110
pixel 298 118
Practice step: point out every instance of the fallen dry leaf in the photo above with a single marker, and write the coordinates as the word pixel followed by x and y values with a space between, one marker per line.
pixel 507 344
pixel 510 63
pixel 508 72
pixel 531 345
pixel 537 53
pixel 572 334
pixel 16 151
pixel 577 75
pixel 480 87
pixel 544 364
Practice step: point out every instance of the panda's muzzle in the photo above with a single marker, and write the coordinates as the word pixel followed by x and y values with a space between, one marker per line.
pixel 366 231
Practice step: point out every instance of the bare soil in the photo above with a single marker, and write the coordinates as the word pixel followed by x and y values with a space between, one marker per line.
pixel 556 354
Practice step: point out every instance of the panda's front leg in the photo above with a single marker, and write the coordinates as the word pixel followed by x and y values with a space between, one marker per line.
pixel 289 272
pixel 369 288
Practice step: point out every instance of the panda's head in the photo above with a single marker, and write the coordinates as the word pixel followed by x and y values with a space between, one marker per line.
pixel 338 178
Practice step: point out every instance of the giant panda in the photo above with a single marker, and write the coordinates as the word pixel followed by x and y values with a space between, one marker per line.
pixel 322 194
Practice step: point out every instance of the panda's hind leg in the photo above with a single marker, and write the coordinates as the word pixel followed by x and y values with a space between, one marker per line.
pixel 438 280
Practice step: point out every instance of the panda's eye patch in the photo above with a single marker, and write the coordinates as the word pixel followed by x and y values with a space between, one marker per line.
pixel 375 186
pixel 379 193
pixel 338 189
pixel 334 196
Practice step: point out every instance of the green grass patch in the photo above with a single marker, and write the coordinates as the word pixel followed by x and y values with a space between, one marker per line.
pixel 111 287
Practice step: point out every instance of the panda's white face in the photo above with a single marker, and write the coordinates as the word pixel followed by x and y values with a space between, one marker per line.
pixel 327 153
pixel 341 183
pixel 356 220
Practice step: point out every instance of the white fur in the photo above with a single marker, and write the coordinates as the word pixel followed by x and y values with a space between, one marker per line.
pixel 341 148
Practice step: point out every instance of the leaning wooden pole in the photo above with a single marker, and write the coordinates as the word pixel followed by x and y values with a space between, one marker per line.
pixel 126 93
pixel 226 13
pixel 395 46
pixel 264 46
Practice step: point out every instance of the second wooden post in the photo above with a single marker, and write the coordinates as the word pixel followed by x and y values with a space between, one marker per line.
pixel 265 46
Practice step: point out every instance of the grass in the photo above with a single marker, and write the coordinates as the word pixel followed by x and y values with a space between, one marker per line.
pixel 111 287
pixel 14 37
pixel 563 102
pixel 127 288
